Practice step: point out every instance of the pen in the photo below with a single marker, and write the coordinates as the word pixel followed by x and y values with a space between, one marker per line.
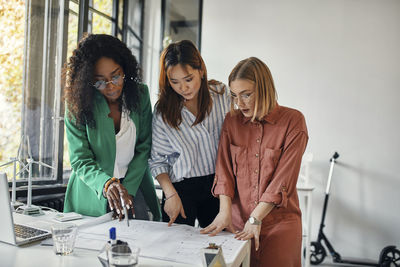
pixel 125 211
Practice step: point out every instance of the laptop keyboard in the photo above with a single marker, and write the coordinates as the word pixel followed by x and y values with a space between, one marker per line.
pixel 23 231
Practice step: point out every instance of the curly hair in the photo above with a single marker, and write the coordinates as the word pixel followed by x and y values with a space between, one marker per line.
pixel 79 71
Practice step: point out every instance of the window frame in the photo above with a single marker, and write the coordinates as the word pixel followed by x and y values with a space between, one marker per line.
pixel 163 18
pixel 49 56
pixel 61 175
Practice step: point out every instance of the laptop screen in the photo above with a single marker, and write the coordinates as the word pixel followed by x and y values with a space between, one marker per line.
pixel 10 232
pixel 6 223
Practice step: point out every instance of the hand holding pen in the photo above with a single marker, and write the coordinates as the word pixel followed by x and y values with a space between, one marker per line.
pixel 119 200
pixel 125 211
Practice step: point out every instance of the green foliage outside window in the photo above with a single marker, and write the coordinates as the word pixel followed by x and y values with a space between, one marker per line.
pixel 12 23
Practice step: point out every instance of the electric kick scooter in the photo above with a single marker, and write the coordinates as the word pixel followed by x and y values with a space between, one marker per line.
pixel 389 256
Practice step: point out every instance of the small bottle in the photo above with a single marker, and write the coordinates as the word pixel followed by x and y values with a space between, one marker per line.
pixel 113 236
pixel 103 256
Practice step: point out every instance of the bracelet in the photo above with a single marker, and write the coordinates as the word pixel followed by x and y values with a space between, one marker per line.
pixel 165 199
pixel 109 182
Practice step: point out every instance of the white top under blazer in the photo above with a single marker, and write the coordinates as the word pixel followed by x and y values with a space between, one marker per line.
pixel 125 141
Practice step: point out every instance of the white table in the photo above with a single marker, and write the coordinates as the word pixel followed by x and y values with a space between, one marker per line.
pixel 38 255
pixel 306 192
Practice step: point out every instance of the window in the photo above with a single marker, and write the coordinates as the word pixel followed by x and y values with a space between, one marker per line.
pixel 133 32
pixel 11 64
pixel 181 19
pixel 31 106
pixel 44 55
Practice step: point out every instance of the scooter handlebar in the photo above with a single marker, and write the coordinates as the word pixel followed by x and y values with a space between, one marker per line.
pixel 335 156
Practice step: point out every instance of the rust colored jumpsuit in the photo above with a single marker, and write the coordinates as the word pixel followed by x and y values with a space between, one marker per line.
pixel 259 162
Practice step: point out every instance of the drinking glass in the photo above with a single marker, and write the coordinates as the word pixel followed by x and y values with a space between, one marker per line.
pixel 64 235
pixel 123 256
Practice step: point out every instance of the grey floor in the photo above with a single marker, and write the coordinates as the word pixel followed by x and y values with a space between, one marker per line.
pixel 329 263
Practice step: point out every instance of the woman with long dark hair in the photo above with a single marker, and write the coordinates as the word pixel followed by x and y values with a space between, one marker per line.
pixel 108 127
pixel 186 126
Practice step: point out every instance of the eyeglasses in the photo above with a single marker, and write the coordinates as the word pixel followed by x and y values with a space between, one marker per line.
pixel 116 80
pixel 243 97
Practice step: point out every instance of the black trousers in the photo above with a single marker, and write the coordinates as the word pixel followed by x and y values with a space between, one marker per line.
pixel 197 201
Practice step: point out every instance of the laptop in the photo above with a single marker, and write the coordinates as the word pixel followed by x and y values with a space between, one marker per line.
pixel 11 233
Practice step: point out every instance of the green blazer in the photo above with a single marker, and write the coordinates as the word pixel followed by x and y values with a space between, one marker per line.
pixel 92 156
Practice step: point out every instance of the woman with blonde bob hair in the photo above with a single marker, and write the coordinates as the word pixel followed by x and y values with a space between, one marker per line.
pixel 258 163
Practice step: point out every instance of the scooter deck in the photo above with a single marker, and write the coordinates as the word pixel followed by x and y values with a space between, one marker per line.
pixel 357 261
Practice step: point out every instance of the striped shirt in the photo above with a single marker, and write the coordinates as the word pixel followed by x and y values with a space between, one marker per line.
pixel 190 151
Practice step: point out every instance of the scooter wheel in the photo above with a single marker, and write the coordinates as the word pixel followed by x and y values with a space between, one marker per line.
pixel 390 257
pixel 318 253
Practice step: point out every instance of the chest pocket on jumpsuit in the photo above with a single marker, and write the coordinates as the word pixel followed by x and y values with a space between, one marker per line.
pixel 239 164
pixel 269 162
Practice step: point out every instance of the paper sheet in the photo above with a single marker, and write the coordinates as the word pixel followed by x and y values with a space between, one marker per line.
pixel 179 243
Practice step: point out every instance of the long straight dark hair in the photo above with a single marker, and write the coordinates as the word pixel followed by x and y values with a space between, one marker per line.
pixel 169 102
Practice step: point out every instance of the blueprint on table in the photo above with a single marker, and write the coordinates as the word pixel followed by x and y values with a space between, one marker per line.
pixel 179 243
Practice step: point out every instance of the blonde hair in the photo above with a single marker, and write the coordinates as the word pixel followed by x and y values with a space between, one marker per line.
pixel 254 70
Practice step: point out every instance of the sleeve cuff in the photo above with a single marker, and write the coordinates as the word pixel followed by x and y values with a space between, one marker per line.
pixel 279 198
pixel 157 171
pixel 221 189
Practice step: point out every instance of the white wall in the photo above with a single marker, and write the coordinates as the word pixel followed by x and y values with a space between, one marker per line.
pixel 338 61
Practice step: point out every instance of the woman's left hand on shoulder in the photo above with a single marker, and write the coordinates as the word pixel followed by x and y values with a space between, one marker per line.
pixel 116 194
pixel 250 231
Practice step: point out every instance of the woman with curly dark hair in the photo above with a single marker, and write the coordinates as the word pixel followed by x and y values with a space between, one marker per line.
pixel 108 127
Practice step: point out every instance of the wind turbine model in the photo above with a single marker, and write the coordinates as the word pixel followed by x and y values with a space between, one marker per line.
pixel 14 161
pixel 30 209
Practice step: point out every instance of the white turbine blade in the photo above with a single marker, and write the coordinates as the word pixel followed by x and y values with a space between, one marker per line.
pixel 21 163
pixel 43 164
pixel 29 199
pixel 20 147
pixel 22 170
pixel 29 147
pixel 7 163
